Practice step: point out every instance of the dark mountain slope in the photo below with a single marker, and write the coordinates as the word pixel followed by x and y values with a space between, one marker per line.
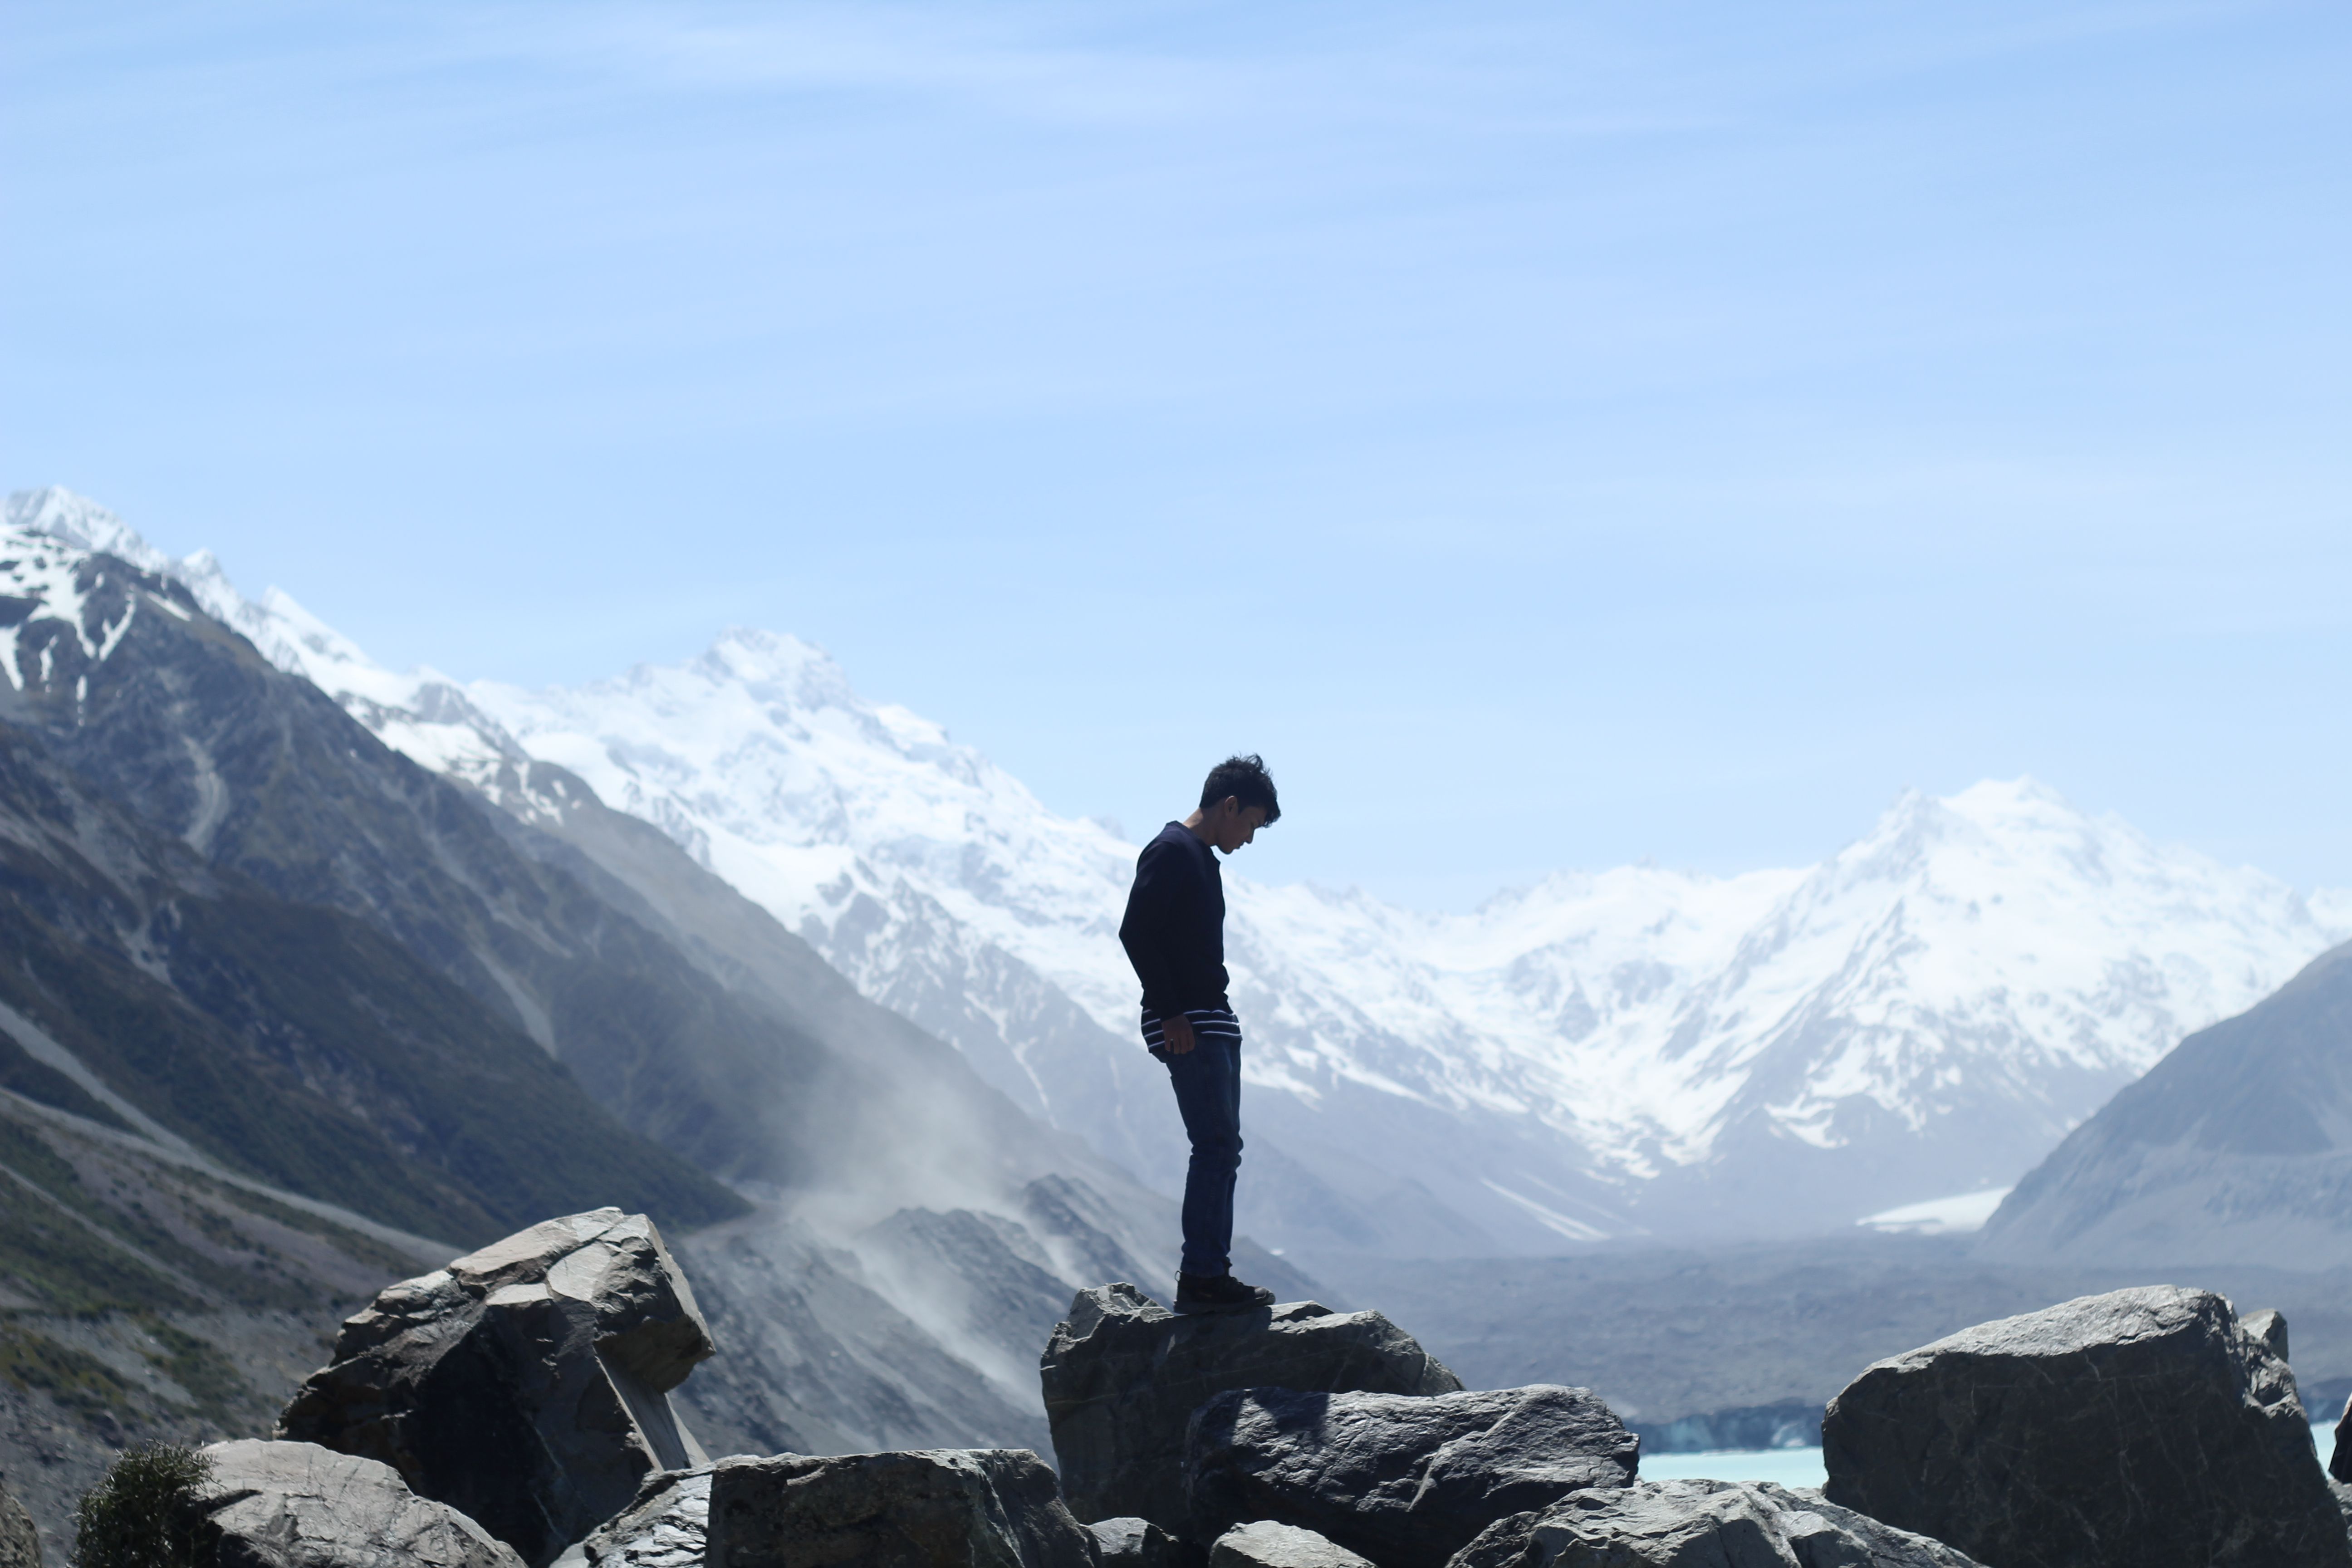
pixel 186 725
pixel 2235 1148
pixel 297 1045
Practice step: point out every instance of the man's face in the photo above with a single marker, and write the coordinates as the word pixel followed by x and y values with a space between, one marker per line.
pixel 1231 824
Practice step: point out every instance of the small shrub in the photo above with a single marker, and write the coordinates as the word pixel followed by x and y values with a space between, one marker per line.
pixel 143 1514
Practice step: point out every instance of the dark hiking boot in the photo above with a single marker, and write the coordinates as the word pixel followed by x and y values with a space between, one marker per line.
pixel 1219 1293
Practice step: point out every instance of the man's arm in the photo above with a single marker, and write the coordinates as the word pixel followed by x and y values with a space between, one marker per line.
pixel 1150 904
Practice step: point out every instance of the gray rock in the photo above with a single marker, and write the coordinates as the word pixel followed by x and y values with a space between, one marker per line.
pixel 296 1505
pixel 1139 1543
pixel 667 1525
pixel 935 1507
pixel 1122 1376
pixel 1407 1480
pixel 2144 1427
pixel 20 1542
pixel 2269 1325
pixel 1266 1544
pixel 1702 1524
pixel 526 1384
pixel 2339 1463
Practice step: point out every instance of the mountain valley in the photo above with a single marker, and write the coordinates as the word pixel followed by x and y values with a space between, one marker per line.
pixel 1629 1053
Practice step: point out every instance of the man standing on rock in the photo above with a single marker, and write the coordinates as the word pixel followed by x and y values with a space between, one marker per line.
pixel 1174 934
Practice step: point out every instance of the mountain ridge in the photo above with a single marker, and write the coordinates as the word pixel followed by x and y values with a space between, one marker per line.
pixel 1601 1053
pixel 2235 1148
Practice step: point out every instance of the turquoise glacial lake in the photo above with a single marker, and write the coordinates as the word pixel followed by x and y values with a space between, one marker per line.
pixel 1802 1466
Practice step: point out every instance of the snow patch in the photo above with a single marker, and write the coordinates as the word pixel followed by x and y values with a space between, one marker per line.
pixel 1939 1216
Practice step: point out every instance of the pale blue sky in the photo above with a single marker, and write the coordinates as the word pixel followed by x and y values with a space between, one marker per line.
pixel 1554 434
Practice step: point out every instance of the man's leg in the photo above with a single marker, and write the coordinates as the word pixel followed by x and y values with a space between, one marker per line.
pixel 1208 1080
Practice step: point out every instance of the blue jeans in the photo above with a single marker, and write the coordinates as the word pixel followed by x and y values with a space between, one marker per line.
pixel 1208 1080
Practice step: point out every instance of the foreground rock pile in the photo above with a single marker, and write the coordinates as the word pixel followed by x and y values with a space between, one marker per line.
pixel 1316 1439
pixel 511 1411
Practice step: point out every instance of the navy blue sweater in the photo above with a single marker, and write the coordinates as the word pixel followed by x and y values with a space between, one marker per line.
pixel 1174 931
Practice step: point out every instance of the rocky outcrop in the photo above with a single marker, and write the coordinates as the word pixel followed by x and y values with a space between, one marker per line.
pixel 1407 1480
pixel 942 1507
pixel 1266 1544
pixel 2144 1427
pixel 525 1384
pixel 2339 1463
pixel 1702 1524
pixel 20 1543
pixel 296 1505
pixel 667 1526
pixel 2269 1326
pixel 1122 1376
pixel 1138 1543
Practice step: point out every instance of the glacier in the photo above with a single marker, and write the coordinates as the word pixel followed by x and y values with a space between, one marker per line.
pixel 1595 1055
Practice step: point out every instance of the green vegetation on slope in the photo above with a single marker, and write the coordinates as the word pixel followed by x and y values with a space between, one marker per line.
pixel 69 1264
pixel 79 1382
pixel 143 1515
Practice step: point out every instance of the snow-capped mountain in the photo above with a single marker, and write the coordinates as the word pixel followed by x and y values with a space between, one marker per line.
pixel 1595 1054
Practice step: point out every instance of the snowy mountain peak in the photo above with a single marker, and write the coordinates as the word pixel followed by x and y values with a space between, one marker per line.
pixel 421 712
pixel 80 522
pixel 55 597
pixel 778 659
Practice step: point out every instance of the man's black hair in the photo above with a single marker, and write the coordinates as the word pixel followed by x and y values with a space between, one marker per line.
pixel 1246 780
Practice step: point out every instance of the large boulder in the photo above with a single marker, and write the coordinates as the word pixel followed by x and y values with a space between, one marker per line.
pixel 20 1540
pixel 1407 1481
pixel 526 1384
pixel 296 1505
pixel 1701 1524
pixel 936 1507
pixel 2144 1427
pixel 1123 1374
pixel 1266 1544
